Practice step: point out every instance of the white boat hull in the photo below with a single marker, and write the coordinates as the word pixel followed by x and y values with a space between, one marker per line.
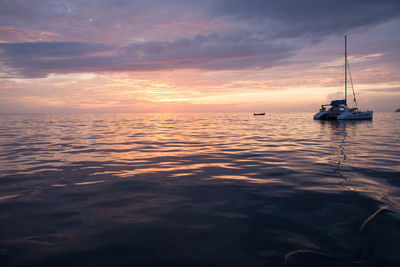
pixel 356 115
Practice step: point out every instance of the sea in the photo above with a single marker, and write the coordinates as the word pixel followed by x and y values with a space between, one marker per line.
pixel 199 189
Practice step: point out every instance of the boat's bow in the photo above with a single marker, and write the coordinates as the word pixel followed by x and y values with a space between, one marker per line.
pixel 320 115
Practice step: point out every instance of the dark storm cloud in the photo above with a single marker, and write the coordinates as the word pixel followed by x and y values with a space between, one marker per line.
pixel 245 34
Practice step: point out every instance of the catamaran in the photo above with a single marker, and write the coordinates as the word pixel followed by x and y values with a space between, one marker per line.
pixel 338 109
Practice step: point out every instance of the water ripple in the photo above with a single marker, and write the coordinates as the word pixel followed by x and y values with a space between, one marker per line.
pixel 207 189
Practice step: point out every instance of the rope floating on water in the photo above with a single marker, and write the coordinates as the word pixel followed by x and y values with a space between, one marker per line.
pixel 333 257
pixel 372 216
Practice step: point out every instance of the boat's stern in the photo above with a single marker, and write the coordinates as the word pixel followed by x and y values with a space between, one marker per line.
pixel 356 115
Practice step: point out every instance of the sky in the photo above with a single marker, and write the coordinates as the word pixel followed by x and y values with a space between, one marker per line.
pixel 196 56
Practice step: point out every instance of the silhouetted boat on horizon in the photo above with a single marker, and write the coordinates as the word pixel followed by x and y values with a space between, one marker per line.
pixel 259 114
pixel 338 108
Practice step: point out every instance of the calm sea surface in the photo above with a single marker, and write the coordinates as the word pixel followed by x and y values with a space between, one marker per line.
pixel 199 190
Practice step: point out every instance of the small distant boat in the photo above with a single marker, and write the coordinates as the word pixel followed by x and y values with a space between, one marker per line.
pixel 338 109
pixel 259 114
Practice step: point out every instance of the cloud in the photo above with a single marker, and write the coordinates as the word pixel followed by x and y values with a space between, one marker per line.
pixel 104 21
pixel 383 90
pixel 111 36
pixel 108 21
pixel 52 49
pixel 318 18
pixel 213 52
pixel 38 59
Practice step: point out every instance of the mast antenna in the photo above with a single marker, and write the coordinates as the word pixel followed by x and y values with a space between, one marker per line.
pixel 345 69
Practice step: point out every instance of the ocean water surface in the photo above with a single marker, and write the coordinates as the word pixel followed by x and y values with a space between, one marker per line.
pixel 199 190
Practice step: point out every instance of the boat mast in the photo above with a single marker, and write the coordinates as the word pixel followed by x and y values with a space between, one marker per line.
pixel 345 69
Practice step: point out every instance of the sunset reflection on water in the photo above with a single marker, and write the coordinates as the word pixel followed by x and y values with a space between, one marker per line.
pixel 257 188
